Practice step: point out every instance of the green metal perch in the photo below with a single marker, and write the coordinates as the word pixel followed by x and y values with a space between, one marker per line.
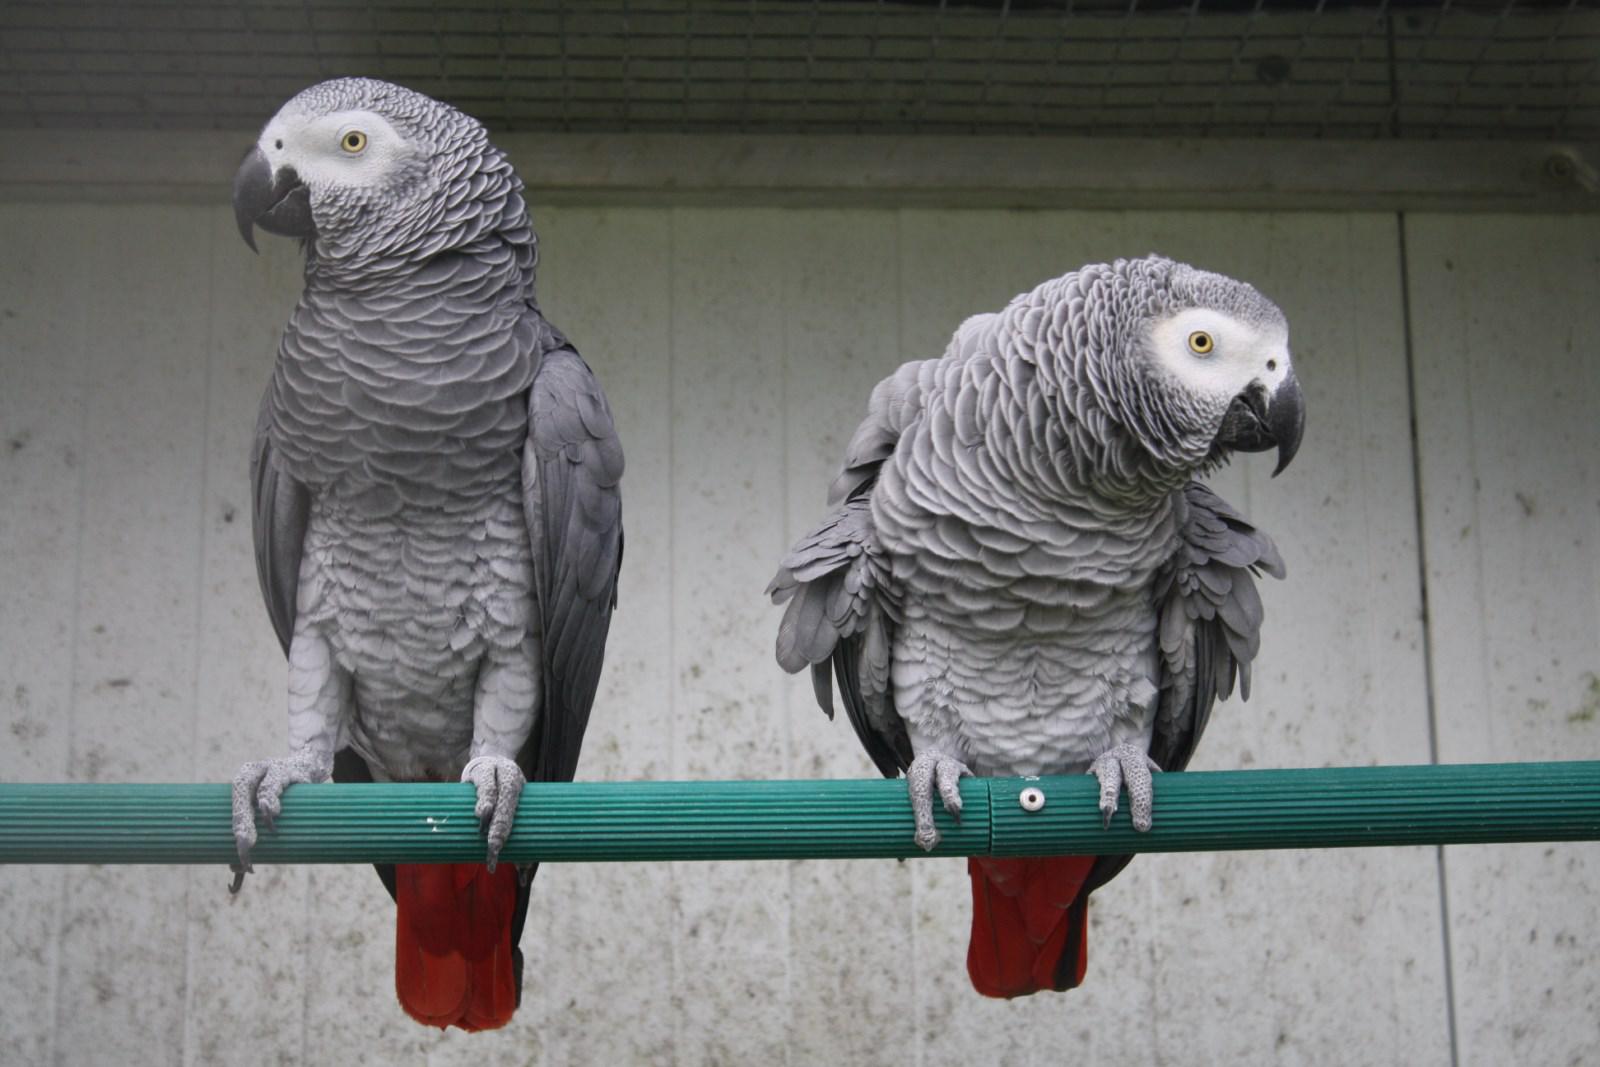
pixel 601 821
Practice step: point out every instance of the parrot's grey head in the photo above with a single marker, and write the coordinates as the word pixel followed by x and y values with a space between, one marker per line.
pixel 1193 365
pixel 360 165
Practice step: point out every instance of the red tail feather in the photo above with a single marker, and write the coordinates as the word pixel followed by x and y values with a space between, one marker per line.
pixel 1029 929
pixel 453 963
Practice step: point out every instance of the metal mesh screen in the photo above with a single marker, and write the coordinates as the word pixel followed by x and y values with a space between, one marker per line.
pixel 1219 68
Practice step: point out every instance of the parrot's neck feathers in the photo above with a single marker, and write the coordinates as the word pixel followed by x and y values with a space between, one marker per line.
pixel 413 341
pixel 475 209
pixel 991 416
pixel 1088 459
pixel 1107 433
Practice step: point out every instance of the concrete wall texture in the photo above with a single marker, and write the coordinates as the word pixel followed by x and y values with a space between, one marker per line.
pixel 1456 467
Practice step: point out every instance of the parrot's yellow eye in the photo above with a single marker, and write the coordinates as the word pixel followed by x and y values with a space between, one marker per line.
pixel 353 141
pixel 1200 343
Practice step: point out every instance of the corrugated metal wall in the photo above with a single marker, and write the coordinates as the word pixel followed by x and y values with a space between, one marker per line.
pixel 738 345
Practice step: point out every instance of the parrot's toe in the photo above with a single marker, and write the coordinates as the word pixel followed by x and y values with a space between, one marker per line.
pixel 499 783
pixel 245 784
pixel 1126 766
pixel 258 790
pixel 932 770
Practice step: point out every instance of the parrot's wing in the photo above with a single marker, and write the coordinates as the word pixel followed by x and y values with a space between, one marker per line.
pixel 1210 630
pixel 1210 618
pixel 839 619
pixel 841 612
pixel 279 510
pixel 571 474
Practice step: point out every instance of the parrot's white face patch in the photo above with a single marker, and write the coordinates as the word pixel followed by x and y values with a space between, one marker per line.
pixel 1215 354
pixel 354 149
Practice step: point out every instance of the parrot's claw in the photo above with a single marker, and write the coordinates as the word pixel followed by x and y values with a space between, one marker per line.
pixel 1126 765
pixel 933 769
pixel 499 782
pixel 258 790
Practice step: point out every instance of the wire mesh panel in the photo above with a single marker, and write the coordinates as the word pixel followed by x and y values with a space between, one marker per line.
pixel 1159 67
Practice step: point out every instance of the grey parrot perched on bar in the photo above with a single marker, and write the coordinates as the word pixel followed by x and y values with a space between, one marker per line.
pixel 437 511
pixel 1018 574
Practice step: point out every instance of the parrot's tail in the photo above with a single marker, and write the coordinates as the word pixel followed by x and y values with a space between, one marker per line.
pixel 454 961
pixel 1030 924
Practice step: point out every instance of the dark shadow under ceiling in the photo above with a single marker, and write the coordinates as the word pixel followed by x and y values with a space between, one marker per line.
pixel 1163 68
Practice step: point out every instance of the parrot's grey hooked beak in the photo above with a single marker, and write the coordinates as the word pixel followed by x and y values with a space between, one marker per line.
pixel 277 202
pixel 1255 422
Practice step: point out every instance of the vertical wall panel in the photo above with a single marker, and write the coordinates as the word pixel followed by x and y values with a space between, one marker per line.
pixel 142 290
pixel 43 366
pixel 727 406
pixel 1505 329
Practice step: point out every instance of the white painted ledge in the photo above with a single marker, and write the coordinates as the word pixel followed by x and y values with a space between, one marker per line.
pixel 100 165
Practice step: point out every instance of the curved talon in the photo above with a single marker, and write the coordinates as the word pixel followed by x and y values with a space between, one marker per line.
pixel 1126 765
pixel 933 769
pixel 499 783
pixel 258 790
pixel 244 815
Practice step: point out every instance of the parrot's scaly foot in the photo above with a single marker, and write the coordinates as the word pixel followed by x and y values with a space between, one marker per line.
pixel 1126 765
pixel 933 768
pixel 258 788
pixel 499 782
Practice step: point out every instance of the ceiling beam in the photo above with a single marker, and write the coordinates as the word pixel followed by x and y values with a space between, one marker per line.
pixel 1111 173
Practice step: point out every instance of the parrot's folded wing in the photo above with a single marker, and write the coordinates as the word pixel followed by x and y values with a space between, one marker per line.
pixel 836 581
pixel 1210 624
pixel 839 619
pixel 280 508
pixel 571 470
pixel 1209 629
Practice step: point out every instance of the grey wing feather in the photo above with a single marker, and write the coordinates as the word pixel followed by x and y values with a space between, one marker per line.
pixel 896 401
pixel 836 582
pixel 1209 630
pixel 1210 626
pixel 839 619
pixel 571 489
pixel 280 509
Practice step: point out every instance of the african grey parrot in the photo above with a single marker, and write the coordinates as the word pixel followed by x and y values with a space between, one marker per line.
pixel 437 518
pixel 1017 574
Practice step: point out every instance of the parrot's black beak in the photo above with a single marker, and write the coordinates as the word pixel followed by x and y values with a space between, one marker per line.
pixel 278 203
pixel 1286 416
pixel 1255 421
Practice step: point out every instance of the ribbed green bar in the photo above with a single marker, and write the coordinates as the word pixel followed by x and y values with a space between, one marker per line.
pixel 1333 807
pixel 601 821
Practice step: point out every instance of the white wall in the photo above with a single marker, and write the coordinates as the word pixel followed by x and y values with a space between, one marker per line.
pixel 738 345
